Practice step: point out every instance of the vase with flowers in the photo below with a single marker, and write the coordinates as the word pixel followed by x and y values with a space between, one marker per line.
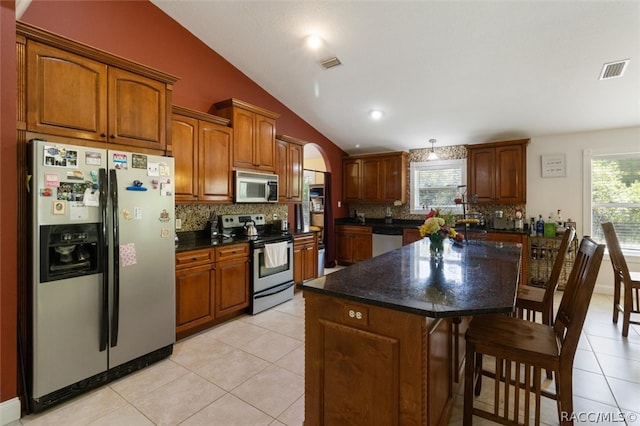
pixel 438 227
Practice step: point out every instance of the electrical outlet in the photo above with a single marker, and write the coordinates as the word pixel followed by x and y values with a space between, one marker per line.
pixel 178 223
pixel 275 216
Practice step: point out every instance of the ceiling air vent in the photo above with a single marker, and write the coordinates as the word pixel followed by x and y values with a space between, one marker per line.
pixel 613 69
pixel 330 63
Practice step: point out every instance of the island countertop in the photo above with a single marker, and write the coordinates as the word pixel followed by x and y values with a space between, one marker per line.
pixel 471 279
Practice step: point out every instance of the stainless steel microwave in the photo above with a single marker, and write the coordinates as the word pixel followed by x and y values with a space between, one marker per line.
pixel 250 187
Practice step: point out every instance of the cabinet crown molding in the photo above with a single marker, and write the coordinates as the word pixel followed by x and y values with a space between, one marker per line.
pixel 31 32
pixel 245 105
pixel 291 139
pixel 175 109
pixel 497 144
pixel 377 154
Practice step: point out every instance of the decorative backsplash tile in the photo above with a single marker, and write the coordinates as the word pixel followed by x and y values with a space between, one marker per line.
pixel 403 212
pixel 194 216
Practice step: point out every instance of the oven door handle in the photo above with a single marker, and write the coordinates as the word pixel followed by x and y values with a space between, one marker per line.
pixel 274 290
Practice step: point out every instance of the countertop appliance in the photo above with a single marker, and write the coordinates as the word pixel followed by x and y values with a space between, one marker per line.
pixel 102 299
pixel 271 284
pixel 251 187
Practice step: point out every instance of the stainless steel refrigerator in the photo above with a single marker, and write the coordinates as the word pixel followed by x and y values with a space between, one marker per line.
pixel 103 290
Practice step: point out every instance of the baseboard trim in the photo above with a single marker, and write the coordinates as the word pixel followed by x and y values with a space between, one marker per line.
pixel 9 411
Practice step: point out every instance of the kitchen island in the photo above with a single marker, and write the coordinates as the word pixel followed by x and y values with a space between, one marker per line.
pixel 384 338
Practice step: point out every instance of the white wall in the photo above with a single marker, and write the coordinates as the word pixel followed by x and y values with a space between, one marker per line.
pixel 547 195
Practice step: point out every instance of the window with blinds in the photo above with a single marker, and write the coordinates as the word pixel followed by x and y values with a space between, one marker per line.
pixel 615 197
pixel 435 184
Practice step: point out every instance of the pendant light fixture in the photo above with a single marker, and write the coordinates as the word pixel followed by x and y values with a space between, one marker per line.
pixel 432 155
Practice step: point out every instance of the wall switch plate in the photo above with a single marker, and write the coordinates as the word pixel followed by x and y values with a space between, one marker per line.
pixel 178 223
pixel 339 203
pixel 275 216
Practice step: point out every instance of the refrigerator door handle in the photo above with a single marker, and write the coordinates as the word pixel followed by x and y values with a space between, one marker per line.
pixel 104 309
pixel 116 256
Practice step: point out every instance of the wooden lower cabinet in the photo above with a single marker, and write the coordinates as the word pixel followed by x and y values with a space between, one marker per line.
pixel 195 290
pixel 368 365
pixel 211 285
pixel 305 257
pixel 410 235
pixel 232 279
pixel 353 243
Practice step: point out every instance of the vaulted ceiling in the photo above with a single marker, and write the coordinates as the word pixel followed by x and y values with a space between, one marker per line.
pixel 457 71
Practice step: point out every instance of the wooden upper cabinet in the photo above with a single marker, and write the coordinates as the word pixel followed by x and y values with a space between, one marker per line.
pixel 482 175
pixel 73 90
pixel 289 158
pixel 376 178
pixel 254 129
pixel 351 177
pixel 497 172
pixel 184 140
pixel 202 145
pixel 216 179
pixel 137 108
pixel 66 93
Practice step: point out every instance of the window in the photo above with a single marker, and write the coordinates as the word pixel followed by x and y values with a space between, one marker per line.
pixel 435 184
pixel 615 196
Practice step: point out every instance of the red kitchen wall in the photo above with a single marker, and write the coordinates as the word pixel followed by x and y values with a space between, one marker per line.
pixel 138 31
pixel 8 202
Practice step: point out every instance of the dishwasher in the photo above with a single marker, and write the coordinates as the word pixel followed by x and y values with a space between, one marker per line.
pixel 385 239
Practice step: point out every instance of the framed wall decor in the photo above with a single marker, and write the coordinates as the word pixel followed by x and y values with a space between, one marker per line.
pixel 554 165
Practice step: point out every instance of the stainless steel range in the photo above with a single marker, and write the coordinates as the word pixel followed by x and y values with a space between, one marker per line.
pixel 271 259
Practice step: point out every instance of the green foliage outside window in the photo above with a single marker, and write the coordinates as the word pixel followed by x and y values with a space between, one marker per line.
pixel 615 185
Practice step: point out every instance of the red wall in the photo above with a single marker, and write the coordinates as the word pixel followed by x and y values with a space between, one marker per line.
pixel 8 202
pixel 138 31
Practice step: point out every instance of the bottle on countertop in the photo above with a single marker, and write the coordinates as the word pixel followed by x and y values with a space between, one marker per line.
pixel 540 227
pixel 550 228
pixel 560 228
pixel 532 227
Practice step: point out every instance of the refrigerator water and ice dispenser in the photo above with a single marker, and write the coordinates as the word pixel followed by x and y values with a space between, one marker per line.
pixel 69 251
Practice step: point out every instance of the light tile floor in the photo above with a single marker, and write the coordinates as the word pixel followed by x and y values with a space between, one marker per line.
pixel 250 371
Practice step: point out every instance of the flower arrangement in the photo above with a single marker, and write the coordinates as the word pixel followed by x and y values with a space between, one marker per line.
pixel 438 226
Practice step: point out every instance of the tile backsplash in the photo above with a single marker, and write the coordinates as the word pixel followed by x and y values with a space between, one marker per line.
pixel 403 212
pixel 194 216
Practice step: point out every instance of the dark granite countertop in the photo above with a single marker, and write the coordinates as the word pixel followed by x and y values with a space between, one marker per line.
pixel 477 278
pixel 195 240
pixel 379 226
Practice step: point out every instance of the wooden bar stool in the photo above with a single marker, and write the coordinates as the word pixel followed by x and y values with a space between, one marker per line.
pixel 622 277
pixel 536 299
pixel 523 348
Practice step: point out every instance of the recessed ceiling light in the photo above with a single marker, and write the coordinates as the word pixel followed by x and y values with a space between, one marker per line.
pixel 375 114
pixel 313 41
